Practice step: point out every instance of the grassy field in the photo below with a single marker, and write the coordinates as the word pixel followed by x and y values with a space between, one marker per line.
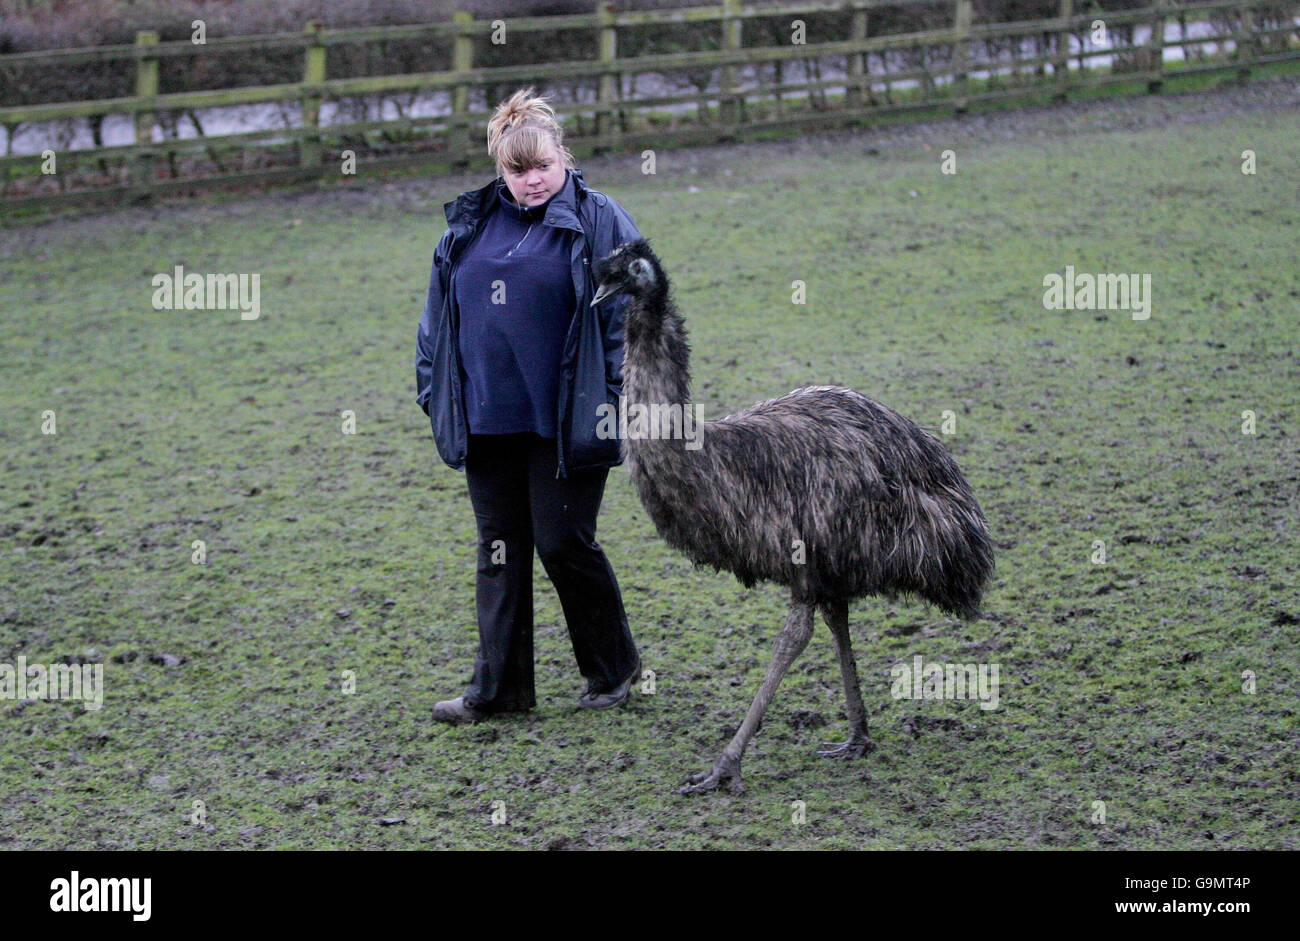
pixel 1120 682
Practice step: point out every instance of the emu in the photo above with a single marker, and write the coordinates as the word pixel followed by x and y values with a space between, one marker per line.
pixel 823 490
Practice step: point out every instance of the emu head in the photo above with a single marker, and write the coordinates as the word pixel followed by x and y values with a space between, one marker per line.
pixel 631 269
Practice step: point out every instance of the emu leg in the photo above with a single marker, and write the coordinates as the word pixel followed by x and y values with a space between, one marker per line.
pixel 789 644
pixel 836 614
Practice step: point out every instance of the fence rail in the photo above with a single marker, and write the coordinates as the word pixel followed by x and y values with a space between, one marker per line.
pixel 142 159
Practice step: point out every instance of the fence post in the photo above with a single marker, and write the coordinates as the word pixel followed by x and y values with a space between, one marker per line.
pixel 960 55
pixel 9 149
pixel 731 105
pixel 859 88
pixel 309 153
pixel 1156 49
pixel 146 86
pixel 606 126
pixel 462 60
pixel 1061 61
pixel 1246 43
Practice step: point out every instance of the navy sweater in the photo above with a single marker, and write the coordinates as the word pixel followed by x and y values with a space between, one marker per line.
pixel 514 289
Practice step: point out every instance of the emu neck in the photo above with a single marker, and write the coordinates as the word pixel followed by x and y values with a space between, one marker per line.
pixel 656 363
pixel 656 373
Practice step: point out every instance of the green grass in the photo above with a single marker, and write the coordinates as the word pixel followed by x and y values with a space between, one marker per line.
pixel 1119 683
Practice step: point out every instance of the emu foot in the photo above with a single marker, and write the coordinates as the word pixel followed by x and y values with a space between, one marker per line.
pixel 857 746
pixel 724 769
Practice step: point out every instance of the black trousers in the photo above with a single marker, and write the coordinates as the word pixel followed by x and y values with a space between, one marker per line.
pixel 519 504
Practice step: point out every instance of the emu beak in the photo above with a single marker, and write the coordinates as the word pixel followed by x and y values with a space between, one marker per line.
pixel 602 292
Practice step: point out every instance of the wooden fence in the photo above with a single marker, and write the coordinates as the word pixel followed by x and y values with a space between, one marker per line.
pixel 457 137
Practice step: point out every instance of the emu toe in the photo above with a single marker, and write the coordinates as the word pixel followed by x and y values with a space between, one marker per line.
pixel 856 747
pixel 724 769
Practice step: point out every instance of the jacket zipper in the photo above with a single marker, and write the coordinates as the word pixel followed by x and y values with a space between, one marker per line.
pixel 521 241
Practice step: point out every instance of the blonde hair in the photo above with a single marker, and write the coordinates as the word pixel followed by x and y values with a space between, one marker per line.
pixel 519 130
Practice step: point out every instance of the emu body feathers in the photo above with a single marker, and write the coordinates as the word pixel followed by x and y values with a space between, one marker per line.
pixel 825 491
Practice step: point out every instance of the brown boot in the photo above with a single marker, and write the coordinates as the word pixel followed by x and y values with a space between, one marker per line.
pixel 615 697
pixel 456 711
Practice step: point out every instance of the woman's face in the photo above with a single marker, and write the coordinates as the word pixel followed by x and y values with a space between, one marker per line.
pixel 537 184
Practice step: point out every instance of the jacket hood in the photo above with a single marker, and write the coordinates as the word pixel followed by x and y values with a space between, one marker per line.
pixel 469 207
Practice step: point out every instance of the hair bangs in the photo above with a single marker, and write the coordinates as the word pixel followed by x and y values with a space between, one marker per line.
pixel 526 147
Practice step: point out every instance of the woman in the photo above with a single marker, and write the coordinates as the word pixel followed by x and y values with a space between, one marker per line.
pixel 512 365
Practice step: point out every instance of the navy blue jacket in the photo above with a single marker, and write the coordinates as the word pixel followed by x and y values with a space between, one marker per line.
pixel 591 370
